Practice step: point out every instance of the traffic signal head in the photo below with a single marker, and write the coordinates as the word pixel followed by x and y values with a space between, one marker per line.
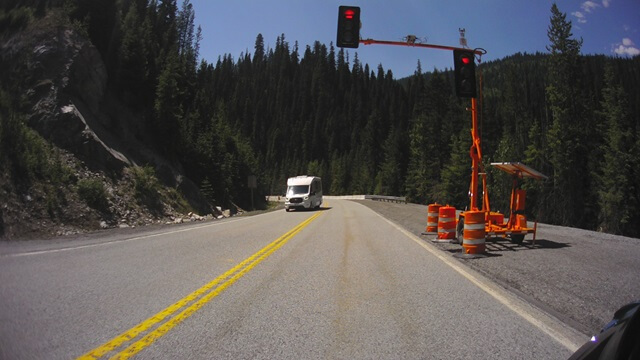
pixel 348 26
pixel 464 66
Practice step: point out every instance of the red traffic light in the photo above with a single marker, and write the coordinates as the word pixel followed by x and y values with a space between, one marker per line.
pixel 348 14
pixel 348 27
pixel 465 73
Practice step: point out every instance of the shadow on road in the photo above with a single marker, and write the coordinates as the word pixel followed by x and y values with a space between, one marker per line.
pixel 496 247
pixel 459 251
pixel 500 244
pixel 321 208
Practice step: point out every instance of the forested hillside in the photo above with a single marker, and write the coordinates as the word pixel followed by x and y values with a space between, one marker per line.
pixel 291 109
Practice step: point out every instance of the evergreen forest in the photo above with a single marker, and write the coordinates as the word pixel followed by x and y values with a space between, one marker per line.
pixel 290 109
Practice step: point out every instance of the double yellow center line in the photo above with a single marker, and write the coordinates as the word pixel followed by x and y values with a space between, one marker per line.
pixel 142 335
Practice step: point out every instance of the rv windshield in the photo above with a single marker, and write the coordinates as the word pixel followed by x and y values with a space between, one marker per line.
pixel 297 190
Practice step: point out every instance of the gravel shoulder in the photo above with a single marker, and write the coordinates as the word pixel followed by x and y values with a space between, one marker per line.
pixel 581 277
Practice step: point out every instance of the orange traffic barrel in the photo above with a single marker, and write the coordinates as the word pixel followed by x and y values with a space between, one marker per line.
pixel 432 217
pixel 473 237
pixel 447 222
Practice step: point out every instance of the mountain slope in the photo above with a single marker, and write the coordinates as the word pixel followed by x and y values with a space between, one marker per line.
pixel 84 136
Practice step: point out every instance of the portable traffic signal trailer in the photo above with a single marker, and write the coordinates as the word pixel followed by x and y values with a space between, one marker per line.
pixel 516 227
pixel 492 223
pixel 476 224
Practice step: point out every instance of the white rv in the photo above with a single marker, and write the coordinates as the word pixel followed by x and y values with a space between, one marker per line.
pixel 303 192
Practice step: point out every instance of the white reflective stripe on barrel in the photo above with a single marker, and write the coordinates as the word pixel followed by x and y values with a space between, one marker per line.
pixel 432 224
pixel 446 219
pixel 473 226
pixel 435 214
pixel 446 230
pixel 473 242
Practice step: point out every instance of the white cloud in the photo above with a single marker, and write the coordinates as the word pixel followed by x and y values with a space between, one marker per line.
pixel 627 48
pixel 579 16
pixel 589 5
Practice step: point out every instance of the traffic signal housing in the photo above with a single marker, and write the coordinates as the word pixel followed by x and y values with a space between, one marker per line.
pixel 348 27
pixel 464 66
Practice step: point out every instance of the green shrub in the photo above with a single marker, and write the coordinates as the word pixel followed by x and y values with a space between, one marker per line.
pixel 92 191
pixel 145 182
pixel 147 188
pixel 55 200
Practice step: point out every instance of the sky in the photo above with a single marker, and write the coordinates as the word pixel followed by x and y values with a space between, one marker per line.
pixel 501 27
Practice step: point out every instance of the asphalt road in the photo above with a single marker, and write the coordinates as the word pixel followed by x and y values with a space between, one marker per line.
pixel 340 283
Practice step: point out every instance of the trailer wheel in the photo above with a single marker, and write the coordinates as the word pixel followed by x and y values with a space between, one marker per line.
pixel 517 239
pixel 460 230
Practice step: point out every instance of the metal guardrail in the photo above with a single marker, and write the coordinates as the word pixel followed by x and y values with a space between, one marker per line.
pixel 397 199
pixel 345 197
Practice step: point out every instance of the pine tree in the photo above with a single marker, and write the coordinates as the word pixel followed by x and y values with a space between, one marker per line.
pixel 566 140
pixel 456 174
pixel 167 107
pixel 619 206
pixel 132 65
pixel 258 50
pixel 185 27
pixel 416 188
pixel 390 178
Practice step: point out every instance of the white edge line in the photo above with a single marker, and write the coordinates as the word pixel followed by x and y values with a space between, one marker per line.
pixel 48 251
pixel 563 334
